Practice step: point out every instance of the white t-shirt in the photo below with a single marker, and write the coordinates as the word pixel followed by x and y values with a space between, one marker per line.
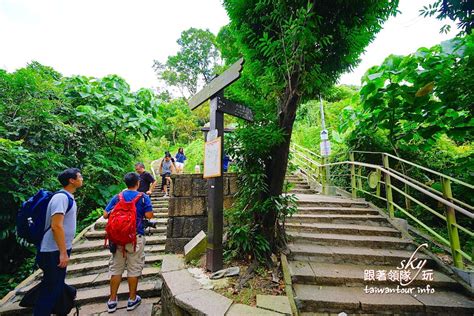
pixel 58 204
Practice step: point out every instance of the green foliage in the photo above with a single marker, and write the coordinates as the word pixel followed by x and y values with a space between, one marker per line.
pixel 194 63
pixel 419 97
pixel 460 11
pixel 49 122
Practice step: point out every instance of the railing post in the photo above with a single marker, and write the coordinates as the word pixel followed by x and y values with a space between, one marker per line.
pixel 451 221
pixel 353 177
pixel 388 188
pixel 379 174
pixel 322 174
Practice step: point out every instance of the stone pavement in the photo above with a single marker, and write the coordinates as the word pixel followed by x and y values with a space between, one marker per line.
pixel 342 248
pixel 88 266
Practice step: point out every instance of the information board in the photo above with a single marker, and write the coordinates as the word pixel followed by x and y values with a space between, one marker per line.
pixel 212 158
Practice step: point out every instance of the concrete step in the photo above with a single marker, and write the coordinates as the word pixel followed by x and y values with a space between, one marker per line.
pixel 100 309
pixel 102 264
pixel 336 210
pixel 346 229
pixel 304 251
pixel 330 274
pixel 303 191
pixel 293 177
pixel 98 277
pixel 353 300
pixel 100 234
pixel 300 185
pixel 101 222
pixel 332 203
pixel 374 242
pixel 93 245
pixel 105 253
pixel 373 220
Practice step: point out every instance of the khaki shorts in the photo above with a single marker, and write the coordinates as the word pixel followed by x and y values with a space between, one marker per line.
pixel 132 261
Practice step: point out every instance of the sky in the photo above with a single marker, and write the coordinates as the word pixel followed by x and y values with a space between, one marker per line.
pixel 101 37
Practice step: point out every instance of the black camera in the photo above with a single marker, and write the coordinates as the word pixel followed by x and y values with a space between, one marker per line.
pixel 148 223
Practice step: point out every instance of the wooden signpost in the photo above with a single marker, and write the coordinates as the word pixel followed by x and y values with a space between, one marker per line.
pixel 214 150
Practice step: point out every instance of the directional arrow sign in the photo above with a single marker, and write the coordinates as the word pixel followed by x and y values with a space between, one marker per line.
pixel 234 109
pixel 217 84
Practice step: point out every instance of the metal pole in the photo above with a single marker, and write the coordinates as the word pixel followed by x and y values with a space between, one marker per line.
pixel 327 182
pixel 388 188
pixel 215 200
pixel 452 229
pixel 353 177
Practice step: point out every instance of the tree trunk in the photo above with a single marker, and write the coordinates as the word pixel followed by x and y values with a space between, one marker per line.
pixel 278 162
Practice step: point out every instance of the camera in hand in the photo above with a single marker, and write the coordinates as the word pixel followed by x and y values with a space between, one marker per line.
pixel 148 223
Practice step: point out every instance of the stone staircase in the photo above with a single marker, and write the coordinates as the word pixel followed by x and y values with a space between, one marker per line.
pixel 88 270
pixel 334 240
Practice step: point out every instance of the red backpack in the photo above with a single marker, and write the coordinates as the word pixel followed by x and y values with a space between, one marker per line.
pixel 121 228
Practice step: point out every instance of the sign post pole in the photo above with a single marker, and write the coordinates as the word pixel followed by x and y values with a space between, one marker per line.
pixel 214 91
pixel 215 198
pixel 325 149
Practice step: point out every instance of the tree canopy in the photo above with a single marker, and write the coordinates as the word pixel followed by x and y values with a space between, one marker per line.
pixel 294 50
pixel 194 64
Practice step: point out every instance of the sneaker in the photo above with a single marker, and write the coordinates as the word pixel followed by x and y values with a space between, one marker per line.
pixel 111 306
pixel 131 305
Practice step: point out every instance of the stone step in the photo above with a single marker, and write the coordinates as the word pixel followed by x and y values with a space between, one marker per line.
pixel 102 265
pixel 93 245
pixel 332 203
pixel 159 207
pixel 305 272
pixel 296 181
pixel 100 234
pixel 353 300
pixel 339 219
pixel 98 277
pixel 336 210
pixel 346 229
pixel 150 250
pixel 300 185
pixel 101 293
pixel 100 309
pixel 304 251
pixel 377 242
pixel 101 222
pixel 303 191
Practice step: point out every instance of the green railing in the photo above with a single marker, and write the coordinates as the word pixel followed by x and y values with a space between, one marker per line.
pixel 385 183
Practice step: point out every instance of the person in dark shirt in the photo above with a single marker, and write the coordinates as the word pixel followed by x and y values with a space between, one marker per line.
pixel 180 158
pixel 147 182
pixel 226 161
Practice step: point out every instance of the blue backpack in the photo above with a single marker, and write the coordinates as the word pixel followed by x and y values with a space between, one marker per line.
pixel 31 217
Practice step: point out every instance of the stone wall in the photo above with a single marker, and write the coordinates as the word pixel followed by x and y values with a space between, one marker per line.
pixel 187 208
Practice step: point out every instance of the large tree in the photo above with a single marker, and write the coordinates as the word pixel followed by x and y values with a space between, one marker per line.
pixel 193 65
pixel 293 50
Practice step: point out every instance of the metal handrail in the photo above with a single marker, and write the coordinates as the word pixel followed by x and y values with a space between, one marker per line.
pixel 445 197
pixel 306 149
pixel 152 168
pixel 392 174
pixel 417 166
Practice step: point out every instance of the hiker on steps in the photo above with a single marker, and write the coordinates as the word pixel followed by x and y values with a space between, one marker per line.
pixel 166 169
pixel 56 245
pixel 147 182
pixel 125 213
pixel 180 158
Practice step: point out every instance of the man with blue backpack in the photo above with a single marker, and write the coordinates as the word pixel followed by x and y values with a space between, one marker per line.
pixel 48 220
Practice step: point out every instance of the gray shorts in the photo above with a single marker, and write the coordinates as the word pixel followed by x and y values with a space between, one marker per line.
pixel 132 261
